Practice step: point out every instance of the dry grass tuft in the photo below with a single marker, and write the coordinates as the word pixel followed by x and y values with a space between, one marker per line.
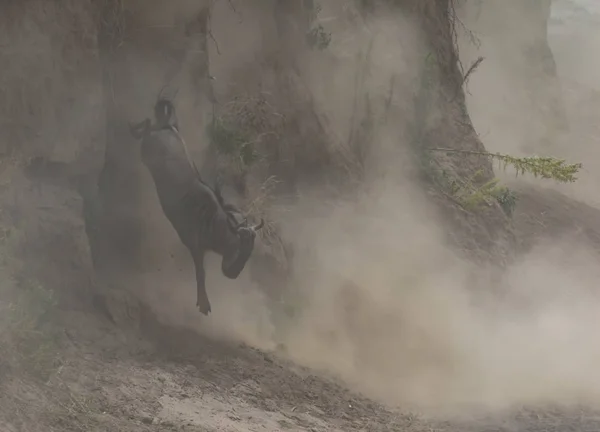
pixel 247 137
pixel 258 204
pixel 246 132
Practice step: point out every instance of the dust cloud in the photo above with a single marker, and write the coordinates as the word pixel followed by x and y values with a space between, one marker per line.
pixel 391 310
pixel 524 102
pixel 382 301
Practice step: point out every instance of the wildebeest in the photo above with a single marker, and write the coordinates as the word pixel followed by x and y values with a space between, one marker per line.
pixel 203 221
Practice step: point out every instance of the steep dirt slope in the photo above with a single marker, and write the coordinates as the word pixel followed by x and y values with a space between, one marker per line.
pixel 154 377
pixel 179 381
pixel 515 95
pixel 543 214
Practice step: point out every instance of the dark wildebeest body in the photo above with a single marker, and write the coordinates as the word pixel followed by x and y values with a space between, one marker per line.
pixel 198 214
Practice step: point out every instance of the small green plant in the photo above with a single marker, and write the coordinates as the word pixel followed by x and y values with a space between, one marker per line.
pixel 539 167
pixel 470 197
pixel 506 198
pixel 489 191
pixel 229 140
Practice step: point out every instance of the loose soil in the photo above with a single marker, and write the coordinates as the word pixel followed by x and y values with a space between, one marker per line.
pixel 174 379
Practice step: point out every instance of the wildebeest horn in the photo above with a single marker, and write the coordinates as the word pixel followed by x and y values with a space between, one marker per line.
pixel 260 225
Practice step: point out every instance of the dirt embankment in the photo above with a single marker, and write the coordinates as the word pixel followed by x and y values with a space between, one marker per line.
pixel 318 118
pixel 515 97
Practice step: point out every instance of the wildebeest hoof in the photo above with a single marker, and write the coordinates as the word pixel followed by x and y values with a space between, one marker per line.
pixel 204 309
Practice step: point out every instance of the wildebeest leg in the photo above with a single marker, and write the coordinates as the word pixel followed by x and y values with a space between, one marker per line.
pixel 201 296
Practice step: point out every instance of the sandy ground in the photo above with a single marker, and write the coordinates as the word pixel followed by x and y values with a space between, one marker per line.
pixel 175 380
pixel 153 377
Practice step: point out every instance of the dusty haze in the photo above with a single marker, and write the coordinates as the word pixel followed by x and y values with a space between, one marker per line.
pixel 379 296
pixel 381 300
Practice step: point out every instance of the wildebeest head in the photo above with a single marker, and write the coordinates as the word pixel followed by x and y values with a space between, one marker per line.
pixel 235 217
pixel 235 260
